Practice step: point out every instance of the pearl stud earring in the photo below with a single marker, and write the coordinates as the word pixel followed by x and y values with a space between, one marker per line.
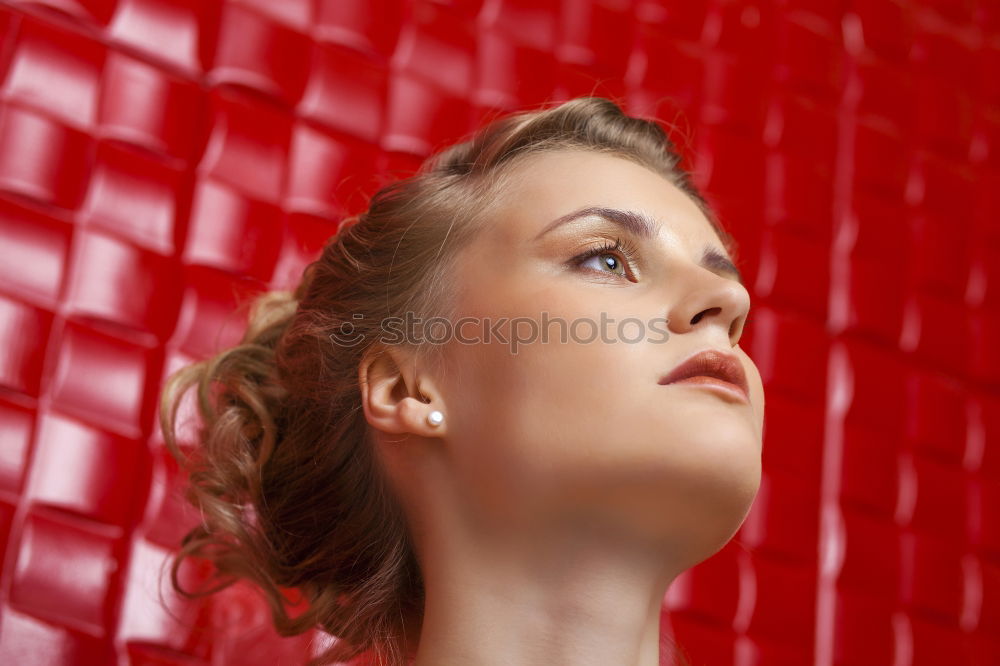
pixel 435 418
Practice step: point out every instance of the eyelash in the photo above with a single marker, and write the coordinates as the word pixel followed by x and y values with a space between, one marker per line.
pixel 625 250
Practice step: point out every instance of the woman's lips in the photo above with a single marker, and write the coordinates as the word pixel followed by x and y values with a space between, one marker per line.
pixel 714 369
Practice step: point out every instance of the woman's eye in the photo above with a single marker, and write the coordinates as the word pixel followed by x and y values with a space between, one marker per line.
pixel 618 258
pixel 606 262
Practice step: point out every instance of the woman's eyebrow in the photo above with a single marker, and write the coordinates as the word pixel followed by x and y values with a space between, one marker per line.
pixel 632 221
pixel 716 261
pixel 640 225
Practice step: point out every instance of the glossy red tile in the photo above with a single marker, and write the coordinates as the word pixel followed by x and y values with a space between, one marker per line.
pixel 25 331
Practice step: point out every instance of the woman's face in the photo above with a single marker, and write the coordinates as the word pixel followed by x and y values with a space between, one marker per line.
pixel 567 429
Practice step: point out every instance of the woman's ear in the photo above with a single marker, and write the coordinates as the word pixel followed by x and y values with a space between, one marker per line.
pixel 395 400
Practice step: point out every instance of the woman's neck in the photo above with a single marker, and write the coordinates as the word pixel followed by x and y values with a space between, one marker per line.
pixel 546 599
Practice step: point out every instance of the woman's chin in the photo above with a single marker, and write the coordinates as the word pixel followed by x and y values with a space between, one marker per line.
pixel 713 493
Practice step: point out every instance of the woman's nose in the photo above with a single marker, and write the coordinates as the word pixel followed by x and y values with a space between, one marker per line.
pixel 711 300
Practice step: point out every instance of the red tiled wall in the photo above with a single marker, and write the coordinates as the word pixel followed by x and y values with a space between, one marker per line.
pixel 162 159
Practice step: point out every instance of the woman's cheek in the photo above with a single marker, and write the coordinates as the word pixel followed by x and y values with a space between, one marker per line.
pixel 756 385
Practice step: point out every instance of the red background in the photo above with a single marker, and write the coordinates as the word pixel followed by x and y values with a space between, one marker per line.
pixel 160 160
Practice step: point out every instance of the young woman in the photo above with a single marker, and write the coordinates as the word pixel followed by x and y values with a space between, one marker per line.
pixel 503 411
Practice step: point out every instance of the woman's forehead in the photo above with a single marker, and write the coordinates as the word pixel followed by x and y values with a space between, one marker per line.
pixel 545 186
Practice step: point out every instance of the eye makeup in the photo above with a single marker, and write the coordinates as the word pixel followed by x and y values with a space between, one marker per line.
pixel 626 251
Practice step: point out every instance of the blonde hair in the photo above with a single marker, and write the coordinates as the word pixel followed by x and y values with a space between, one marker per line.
pixel 282 472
